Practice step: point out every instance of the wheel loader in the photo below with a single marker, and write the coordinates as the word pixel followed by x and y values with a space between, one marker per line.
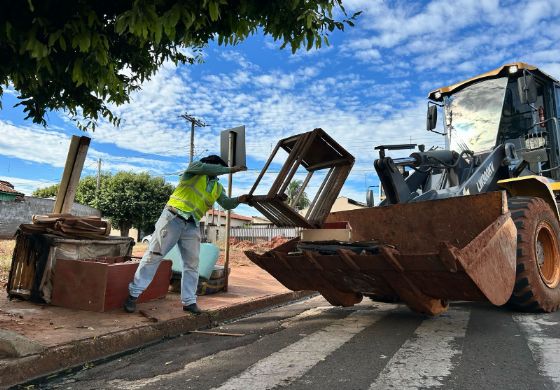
pixel 477 220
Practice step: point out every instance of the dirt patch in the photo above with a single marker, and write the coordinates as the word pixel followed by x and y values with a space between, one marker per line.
pixel 237 247
pixel 260 245
pixel 139 248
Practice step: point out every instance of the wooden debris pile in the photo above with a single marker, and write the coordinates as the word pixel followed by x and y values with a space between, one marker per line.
pixel 68 225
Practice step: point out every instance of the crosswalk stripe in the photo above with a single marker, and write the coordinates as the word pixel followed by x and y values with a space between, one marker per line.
pixel 425 360
pixel 333 333
pixel 310 313
pixel 545 350
pixel 293 361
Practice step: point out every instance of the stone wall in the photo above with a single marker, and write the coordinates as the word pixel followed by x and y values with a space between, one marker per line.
pixel 12 214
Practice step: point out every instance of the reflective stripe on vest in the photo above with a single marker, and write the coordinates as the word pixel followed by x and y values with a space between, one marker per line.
pixel 191 196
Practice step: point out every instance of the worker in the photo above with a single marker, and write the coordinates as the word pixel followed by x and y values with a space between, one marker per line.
pixel 196 193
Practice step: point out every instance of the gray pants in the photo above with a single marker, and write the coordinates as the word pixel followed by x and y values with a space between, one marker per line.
pixel 170 230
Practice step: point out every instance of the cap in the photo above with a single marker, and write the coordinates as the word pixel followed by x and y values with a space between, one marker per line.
pixel 213 159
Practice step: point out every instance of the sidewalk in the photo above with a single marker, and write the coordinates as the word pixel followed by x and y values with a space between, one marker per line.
pixel 49 339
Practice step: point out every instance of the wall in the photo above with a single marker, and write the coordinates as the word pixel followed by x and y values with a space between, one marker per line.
pixel 217 235
pixel 221 220
pixel 12 214
pixel 132 232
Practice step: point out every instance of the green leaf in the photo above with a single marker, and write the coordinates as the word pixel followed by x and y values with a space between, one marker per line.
pixel 84 41
pixel 310 38
pixel 158 32
pixel 214 11
pixel 120 24
pixel 77 76
pixel 91 18
pixel 53 37
pixel 309 20
pixel 62 43
pixel 9 30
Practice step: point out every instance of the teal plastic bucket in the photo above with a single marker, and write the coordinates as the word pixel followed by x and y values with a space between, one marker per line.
pixel 209 254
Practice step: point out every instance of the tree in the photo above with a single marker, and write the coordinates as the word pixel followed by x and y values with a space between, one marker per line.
pixel 293 190
pixel 131 199
pixel 81 56
pixel 47 192
pixel 127 199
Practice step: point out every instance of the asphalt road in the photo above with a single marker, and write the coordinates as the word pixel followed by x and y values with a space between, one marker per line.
pixel 311 345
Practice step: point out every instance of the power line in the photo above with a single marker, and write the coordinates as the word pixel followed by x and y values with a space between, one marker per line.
pixel 194 122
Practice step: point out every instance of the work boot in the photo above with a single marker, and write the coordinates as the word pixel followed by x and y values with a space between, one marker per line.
pixel 193 309
pixel 130 304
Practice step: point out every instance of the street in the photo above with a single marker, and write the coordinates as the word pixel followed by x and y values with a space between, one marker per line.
pixel 311 345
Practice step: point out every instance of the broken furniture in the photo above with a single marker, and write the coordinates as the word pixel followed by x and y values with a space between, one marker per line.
pixel 101 284
pixel 314 151
pixel 35 256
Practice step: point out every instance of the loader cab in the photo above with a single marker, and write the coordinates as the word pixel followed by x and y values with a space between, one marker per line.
pixel 516 104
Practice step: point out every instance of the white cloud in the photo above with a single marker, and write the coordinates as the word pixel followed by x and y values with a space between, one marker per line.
pixel 27 186
pixel 238 58
pixel 33 143
pixel 459 37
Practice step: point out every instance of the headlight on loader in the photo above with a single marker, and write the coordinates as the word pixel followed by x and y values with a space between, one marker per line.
pixel 533 143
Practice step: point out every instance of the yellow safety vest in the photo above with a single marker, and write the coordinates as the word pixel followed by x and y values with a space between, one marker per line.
pixel 191 196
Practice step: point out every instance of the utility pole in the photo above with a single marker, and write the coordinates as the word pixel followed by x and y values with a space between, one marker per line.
pixel 194 122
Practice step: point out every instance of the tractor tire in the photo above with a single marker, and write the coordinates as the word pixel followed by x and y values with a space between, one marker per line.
pixel 537 283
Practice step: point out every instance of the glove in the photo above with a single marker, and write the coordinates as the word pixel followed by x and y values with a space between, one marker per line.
pixel 245 198
pixel 238 168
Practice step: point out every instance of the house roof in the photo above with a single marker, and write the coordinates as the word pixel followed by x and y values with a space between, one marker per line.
pixel 233 215
pixel 8 188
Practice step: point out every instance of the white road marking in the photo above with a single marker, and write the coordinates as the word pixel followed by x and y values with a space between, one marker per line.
pixel 425 360
pixel 292 362
pixel 322 343
pixel 314 312
pixel 545 350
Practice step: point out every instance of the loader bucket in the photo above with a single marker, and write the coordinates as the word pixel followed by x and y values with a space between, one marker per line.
pixel 423 253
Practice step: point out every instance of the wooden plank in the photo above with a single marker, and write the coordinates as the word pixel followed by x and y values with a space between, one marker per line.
pixel 75 175
pixel 68 166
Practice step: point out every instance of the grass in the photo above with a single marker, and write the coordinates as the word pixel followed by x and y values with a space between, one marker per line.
pixel 6 249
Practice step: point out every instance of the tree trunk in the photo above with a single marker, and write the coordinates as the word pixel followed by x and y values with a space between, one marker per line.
pixel 124 227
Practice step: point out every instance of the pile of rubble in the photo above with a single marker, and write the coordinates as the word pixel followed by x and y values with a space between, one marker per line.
pixel 259 245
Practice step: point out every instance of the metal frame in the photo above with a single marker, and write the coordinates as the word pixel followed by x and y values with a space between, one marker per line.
pixel 315 151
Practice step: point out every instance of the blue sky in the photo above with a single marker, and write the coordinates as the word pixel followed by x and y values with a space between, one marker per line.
pixel 368 88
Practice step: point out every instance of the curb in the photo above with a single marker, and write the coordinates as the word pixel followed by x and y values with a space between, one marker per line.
pixel 55 359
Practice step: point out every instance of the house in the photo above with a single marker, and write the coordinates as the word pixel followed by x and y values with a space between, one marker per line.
pixel 8 193
pixel 218 218
pixel 342 203
pixel 260 221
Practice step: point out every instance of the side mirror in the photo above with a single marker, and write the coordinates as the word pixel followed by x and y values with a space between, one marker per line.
pixel 431 120
pixel 527 88
pixel 370 202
